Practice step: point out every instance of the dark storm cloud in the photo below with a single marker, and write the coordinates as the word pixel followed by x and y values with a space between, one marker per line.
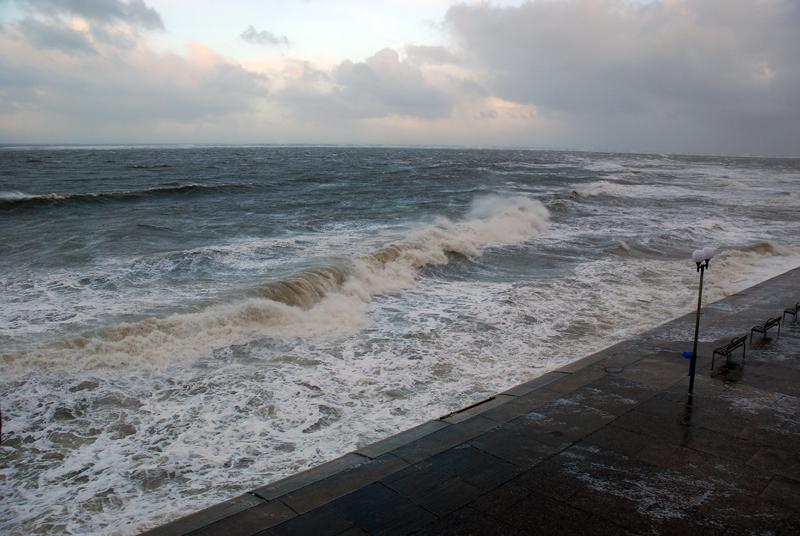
pixel 704 75
pixel 263 37
pixel 381 86
pixel 133 12
pixel 55 36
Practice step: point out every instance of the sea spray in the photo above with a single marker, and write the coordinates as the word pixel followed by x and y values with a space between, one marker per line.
pixel 94 447
pixel 315 302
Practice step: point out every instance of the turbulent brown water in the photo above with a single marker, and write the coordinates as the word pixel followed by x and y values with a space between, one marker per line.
pixel 179 325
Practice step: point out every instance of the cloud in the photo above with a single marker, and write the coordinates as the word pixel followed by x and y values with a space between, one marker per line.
pixel 55 36
pixel 126 90
pixel 430 55
pixel 133 12
pixel 79 26
pixel 382 85
pixel 686 75
pixel 254 37
pixel 712 76
pixel 83 71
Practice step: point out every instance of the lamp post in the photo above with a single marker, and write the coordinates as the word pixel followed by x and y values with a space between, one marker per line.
pixel 701 258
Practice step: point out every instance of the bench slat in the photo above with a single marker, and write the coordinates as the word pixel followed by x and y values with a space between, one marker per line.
pixel 728 349
pixel 767 325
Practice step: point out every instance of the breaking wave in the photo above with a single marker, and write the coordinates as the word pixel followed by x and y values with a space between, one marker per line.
pixel 15 199
pixel 598 188
pixel 644 191
pixel 760 248
pixel 315 302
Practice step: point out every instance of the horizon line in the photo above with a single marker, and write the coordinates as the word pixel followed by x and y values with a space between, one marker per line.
pixel 183 145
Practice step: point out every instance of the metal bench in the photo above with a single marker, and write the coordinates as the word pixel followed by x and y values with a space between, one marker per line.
pixel 792 311
pixel 766 326
pixel 726 350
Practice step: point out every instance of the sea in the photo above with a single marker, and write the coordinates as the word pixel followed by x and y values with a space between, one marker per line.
pixel 182 324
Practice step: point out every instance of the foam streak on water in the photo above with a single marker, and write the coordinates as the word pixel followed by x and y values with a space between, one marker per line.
pixel 180 325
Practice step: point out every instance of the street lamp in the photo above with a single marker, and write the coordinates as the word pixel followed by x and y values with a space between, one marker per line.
pixel 701 258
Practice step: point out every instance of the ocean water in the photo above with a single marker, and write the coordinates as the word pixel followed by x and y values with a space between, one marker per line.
pixel 179 325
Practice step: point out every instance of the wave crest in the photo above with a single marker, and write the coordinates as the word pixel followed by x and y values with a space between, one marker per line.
pixel 305 288
pixel 317 301
pixel 598 188
pixel 759 248
pixel 16 199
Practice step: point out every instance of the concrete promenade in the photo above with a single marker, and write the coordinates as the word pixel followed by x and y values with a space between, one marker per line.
pixel 605 445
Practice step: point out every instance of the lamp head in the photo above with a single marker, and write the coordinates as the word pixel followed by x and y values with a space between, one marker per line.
pixel 702 256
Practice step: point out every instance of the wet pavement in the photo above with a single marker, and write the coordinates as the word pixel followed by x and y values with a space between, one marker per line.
pixel 610 444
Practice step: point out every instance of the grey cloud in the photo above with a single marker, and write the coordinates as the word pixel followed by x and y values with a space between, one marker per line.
pixel 228 88
pixel 421 54
pixel 124 91
pixel 231 79
pixel 312 75
pixel 55 36
pixel 110 36
pixel 46 26
pixel 263 37
pixel 133 12
pixel 470 87
pixel 699 75
pixel 381 86
pixel 16 85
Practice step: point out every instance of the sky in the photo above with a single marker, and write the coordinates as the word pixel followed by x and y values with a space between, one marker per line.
pixel 677 76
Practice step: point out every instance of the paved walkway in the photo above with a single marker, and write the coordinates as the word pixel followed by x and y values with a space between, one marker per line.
pixel 605 445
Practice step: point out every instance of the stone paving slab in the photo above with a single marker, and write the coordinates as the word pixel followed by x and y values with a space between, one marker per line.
pixel 318 473
pixel 609 444
pixel 520 405
pixel 377 509
pixel 444 439
pixel 323 521
pixel 337 485
pixel 250 521
pixel 511 442
pixel 390 443
pixel 477 409
pixel 536 383
pixel 207 516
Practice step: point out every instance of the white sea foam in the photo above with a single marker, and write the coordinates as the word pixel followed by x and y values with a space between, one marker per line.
pixel 155 439
pixel 654 191
pixel 14 195
pixel 253 389
pixel 326 306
